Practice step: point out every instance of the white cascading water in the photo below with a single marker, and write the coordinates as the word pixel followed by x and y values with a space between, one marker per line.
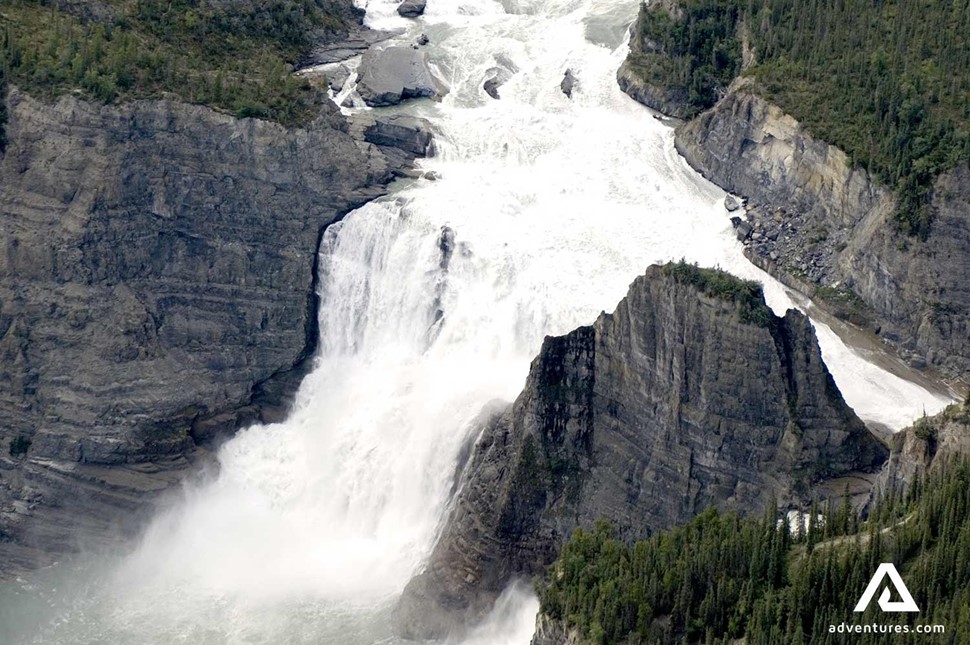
pixel 313 526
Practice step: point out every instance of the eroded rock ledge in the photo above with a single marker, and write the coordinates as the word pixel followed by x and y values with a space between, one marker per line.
pixel 676 401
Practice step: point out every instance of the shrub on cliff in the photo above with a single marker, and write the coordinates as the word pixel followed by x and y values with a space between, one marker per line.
pixel 746 294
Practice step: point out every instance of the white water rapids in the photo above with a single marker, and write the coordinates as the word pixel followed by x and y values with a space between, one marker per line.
pixel 313 526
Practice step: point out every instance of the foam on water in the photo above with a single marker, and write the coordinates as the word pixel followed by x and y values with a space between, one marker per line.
pixel 314 525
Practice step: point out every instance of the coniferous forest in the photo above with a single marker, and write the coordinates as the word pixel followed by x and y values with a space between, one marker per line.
pixel 721 577
pixel 888 82
pixel 233 56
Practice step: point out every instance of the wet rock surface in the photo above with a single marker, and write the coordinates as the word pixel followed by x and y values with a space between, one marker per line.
pixel 668 405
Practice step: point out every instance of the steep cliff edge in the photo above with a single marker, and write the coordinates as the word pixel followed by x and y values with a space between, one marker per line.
pixel 157 289
pixel 879 227
pixel 818 219
pixel 692 393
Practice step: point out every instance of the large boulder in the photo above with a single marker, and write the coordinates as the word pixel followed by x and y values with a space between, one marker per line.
pixel 394 74
pixel 412 8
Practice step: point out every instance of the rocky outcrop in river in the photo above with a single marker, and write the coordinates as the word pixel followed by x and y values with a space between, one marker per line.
pixel 157 291
pixel 690 394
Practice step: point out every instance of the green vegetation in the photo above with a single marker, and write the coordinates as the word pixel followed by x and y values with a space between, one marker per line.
pixel 888 82
pixel 699 55
pixel 721 578
pixel 19 446
pixel 233 56
pixel 746 294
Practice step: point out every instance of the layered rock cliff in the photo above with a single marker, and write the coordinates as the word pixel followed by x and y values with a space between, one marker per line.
pixel 157 290
pixel 690 394
pixel 818 220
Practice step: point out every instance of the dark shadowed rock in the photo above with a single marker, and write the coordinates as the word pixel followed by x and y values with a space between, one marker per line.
pixel 412 8
pixel 568 82
pixel 157 291
pixel 393 74
pixel 675 402
pixel 499 75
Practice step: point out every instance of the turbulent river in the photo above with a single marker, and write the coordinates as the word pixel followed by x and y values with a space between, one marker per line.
pixel 313 526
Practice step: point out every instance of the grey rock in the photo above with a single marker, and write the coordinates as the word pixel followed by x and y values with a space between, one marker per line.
pixel 914 291
pixel 568 83
pixel 650 415
pixel 423 40
pixel 731 203
pixel 337 77
pixel 355 42
pixel 742 230
pixel 554 632
pixel 412 8
pixel 157 291
pixel 498 76
pixel 393 74
pixel 411 135
pixel 925 447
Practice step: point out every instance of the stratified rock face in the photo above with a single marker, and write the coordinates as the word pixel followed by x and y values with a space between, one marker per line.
pixel 156 289
pixel 655 412
pixel 393 74
pixel 817 218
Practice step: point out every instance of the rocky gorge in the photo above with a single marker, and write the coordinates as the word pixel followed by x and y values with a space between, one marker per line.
pixel 157 292
pixel 821 223
pixel 691 394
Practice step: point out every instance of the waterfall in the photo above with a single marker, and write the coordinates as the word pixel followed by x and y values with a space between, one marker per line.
pixel 433 302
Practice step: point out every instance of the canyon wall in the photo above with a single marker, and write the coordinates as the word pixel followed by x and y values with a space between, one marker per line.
pixel 157 291
pixel 681 399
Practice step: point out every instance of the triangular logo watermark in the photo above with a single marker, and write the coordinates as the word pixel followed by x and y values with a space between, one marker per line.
pixel 887 569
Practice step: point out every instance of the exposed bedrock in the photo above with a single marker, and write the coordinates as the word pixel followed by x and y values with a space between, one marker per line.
pixel 818 220
pixel 677 401
pixel 157 291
